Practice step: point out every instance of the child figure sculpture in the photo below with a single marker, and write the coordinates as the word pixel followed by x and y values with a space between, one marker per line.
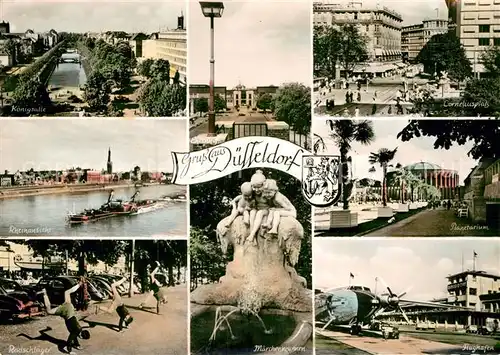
pixel 242 205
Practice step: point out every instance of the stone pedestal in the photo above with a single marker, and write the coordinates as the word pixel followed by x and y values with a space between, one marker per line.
pixel 403 207
pixel 385 212
pixel 259 276
pixel 343 219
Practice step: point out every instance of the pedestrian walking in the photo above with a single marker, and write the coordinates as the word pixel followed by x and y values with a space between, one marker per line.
pixel 347 97
pixel 356 112
pixel 359 96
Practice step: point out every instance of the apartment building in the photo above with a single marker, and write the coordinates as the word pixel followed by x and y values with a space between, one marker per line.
pixel 415 37
pixel 477 24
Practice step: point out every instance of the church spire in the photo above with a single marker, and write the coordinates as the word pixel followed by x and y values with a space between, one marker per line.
pixel 109 167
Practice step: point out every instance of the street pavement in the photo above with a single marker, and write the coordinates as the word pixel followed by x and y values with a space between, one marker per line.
pixel 403 345
pixel 433 223
pixel 149 333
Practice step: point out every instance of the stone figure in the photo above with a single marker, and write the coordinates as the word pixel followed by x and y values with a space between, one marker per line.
pixel 242 205
pixel 265 252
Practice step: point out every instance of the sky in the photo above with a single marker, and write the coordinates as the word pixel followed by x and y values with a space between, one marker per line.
pixel 413 151
pixel 59 144
pixel 413 12
pixel 417 265
pixel 91 16
pixel 257 43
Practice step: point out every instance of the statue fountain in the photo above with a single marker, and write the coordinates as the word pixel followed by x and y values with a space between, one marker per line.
pixel 266 239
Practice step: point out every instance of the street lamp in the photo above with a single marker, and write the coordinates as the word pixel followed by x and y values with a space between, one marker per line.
pixel 212 10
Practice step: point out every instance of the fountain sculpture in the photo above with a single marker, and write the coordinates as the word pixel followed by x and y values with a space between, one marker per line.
pixel 266 239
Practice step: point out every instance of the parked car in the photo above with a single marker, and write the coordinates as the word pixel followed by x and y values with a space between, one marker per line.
pixel 95 293
pixel 56 287
pixel 13 308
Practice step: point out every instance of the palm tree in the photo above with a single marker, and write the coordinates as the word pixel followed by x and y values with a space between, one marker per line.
pixel 344 133
pixel 319 144
pixel 383 157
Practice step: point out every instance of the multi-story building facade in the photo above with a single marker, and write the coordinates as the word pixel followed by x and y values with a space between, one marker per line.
pixel 380 25
pixel 465 288
pixel 477 25
pixel 170 45
pixel 415 37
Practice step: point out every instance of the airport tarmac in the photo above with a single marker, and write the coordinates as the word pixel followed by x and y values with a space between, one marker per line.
pixel 403 345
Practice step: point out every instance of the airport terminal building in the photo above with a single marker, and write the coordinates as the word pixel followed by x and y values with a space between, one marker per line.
pixel 477 290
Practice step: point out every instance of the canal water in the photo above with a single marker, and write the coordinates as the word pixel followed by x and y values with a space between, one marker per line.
pixel 48 214
pixel 70 75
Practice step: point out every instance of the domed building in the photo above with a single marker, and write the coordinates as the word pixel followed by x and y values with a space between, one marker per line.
pixel 446 180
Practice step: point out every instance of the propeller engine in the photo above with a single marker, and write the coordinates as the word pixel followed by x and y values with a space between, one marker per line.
pixel 391 301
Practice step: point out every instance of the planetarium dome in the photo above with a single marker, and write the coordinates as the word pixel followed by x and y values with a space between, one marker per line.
pixel 423 166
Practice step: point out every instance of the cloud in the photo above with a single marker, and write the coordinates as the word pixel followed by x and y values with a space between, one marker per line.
pixel 413 151
pixel 85 15
pixel 49 144
pixel 257 43
pixel 418 266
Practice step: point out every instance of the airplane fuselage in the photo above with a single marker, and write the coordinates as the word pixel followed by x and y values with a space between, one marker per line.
pixel 345 306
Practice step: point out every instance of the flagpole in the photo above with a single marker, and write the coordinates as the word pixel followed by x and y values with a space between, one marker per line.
pixel 474 262
pixel 462 261
pixel 349 279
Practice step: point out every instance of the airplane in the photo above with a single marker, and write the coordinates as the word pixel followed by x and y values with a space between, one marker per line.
pixel 357 307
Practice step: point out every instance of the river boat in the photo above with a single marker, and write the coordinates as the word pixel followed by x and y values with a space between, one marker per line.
pixel 112 208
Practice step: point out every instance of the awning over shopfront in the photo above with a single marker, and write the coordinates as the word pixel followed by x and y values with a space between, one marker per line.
pixel 379 52
pixel 38 265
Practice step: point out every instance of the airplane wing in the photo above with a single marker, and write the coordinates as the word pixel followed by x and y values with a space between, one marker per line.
pixel 432 304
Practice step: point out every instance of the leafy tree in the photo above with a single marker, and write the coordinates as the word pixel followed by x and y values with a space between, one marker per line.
pixel 160 70
pixel 159 99
pixel 219 103
pixel 292 104
pixel 483 133
pixel 177 78
pixel 343 44
pixel 144 68
pixel 325 51
pixel 200 104
pixel 89 42
pixel 145 177
pixel 265 102
pixel 444 52
pixel 84 251
pixel 30 96
pixel 207 261
pixel 344 133
pixel 491 61
pixel 170 254
pixel 96 91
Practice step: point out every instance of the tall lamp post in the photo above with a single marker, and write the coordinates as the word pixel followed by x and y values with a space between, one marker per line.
pixel 212 10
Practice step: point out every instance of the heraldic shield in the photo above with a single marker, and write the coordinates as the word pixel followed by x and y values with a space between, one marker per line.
pixel 321 179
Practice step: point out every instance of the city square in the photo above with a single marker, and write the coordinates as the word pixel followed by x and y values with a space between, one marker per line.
pixel 261 97
pixel 97 67
pixel 406 178
pixel 374 58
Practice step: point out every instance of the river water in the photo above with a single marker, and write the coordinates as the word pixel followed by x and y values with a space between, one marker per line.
pixel 48 214
pixel 69 75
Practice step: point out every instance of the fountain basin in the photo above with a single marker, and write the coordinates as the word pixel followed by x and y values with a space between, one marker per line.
pixel 291 330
